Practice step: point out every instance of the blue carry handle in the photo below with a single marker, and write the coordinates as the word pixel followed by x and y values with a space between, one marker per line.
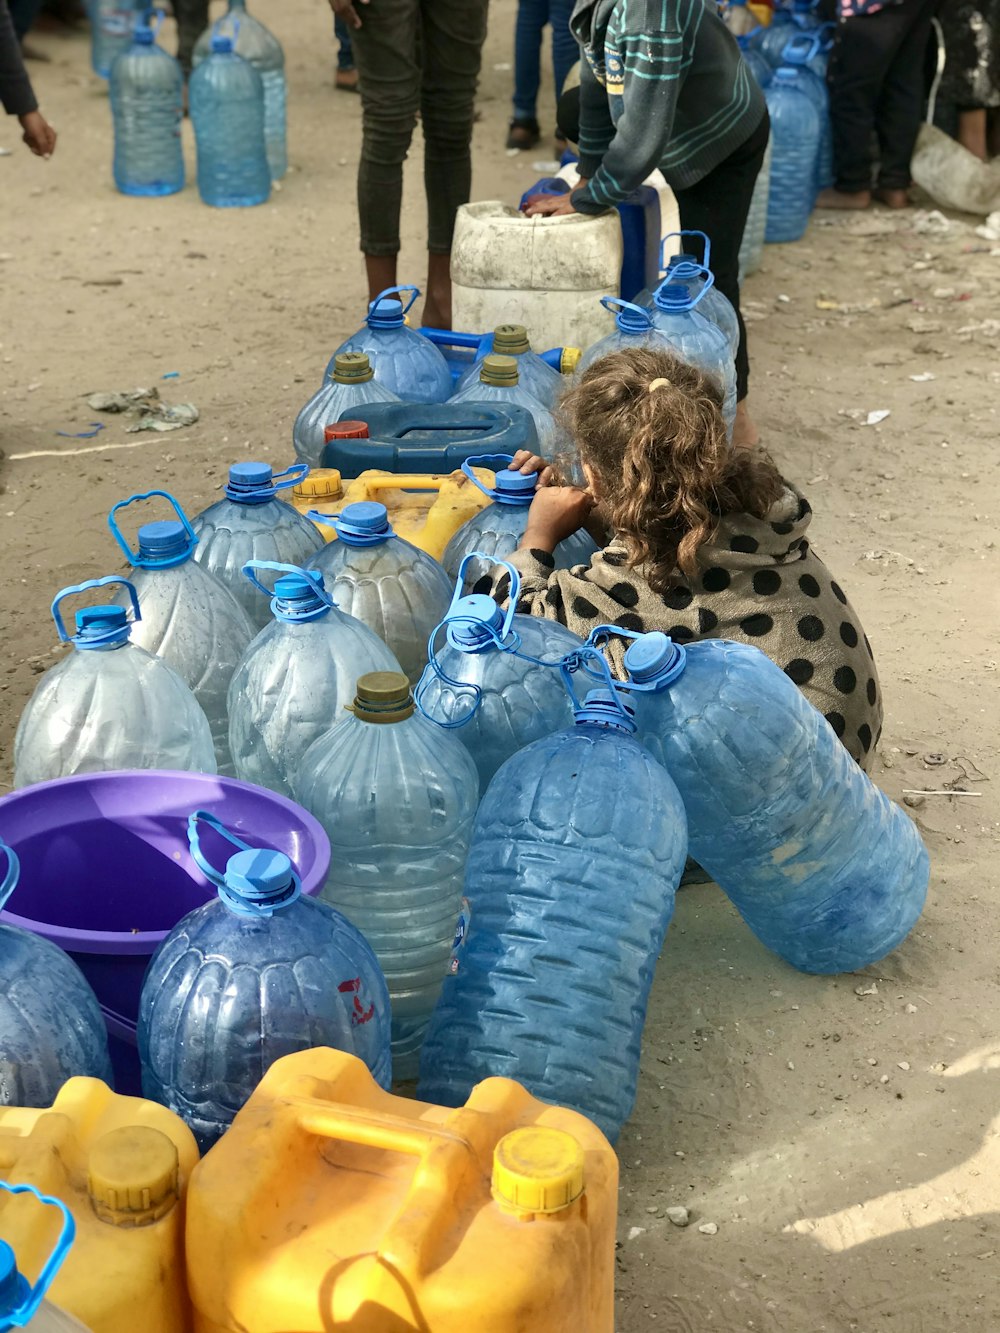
pixel 577 661
pixel 706 262
pixel 697 270
pixel 30 1298
pixel 394 293
pixel 85 587
pixel 134 558
pixel 618 307
pixel 308 574
pixel 600 634
pixel 9 882
pixel 243 903
pixel 487 460
pixel 801 48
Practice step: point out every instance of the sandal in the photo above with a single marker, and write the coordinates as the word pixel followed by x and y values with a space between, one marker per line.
pixel 523 135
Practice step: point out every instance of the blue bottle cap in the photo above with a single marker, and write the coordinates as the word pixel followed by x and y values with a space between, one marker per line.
pixel 515 488
pixel 259 874
pixel 101 626
pixel 604 708
pixel 365 523
pixel 14 1289
pixel 385 313
pixel 143 35
pixel 471 620
pixel 786 74
pixel 161 543
pixel 295 598
pixel 672 295
pixel 221 42
pixel 634 321
pixel 250 474
pixel 654 658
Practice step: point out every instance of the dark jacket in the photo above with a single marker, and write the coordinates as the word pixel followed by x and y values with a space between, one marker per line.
pixel 15 86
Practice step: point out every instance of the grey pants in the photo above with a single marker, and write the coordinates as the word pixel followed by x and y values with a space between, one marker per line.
pixel 416 57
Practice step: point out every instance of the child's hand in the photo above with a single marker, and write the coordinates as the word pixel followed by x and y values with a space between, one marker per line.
pixel 525 461
pixel 556 513
pixel 38 134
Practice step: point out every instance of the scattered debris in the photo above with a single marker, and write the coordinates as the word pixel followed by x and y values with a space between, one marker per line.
pixel 931 222
pixel 909 1009
pixel 890 557
pixel 147 408
pixel 990 229
pixel 924 378
pixel 849 307
pixel 873 418
pixel 679 1216
pixel 870 989
pixel 634 1232
pixel 948 791
pixel 708 1228
pixel 904 1065
pixel 95 429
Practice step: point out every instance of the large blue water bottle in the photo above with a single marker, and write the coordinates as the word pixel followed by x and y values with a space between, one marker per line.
pixel 227 112
pixel 498 381
pixel 262 49
pixel 694 338
pixel 400 592
pixel 497 530
pixel 683 267
pixel 146 104
pixel 110 31
pixel 254 976
pixel 786 21
pixel 759 65
pixel 824 868
pixel 51 1027
pixel 189 617
pixel 110 704
pixel 253 523
pixel 803 53
pixel 495 678
pixel 795 134
pixel 296 676
pixel 576 854
pixel 535 375
pixel 405 362
pixel 752 245
pixel 634 327
pixel 352 384
pixel 23 1305
pixel 396 795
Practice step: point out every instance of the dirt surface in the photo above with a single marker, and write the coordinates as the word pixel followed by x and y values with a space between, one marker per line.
pixel 842 1134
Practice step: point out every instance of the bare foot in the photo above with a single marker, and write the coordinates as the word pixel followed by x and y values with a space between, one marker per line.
pixel 346 80
pixel 893 198
pixel 745 433
pixel 839 199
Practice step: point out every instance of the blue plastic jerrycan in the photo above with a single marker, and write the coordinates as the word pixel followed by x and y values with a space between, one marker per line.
pixel 404 361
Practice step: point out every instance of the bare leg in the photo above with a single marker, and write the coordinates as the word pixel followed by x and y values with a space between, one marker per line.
pixel 437 301
pixel 972 133
pixel 381 270
pixel 843 199
pixel 745 433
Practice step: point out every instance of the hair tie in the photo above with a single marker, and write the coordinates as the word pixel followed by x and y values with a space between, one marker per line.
pixel 660 384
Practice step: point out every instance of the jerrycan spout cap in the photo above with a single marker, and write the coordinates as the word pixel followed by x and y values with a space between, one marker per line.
pixel 475 623
pixel 606 708
pixel 363 524
pixel 500 371
pixel 257 882
pixel 654 659
pixel 511 340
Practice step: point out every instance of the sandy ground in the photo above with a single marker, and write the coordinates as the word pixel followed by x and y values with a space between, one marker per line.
pixel 843 1134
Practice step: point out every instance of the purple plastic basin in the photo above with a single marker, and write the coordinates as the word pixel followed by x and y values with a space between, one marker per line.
pixel 106 872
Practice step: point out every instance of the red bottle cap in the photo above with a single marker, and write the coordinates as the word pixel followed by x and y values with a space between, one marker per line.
pixel 346 430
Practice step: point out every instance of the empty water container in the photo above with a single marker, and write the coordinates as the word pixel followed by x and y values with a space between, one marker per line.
pixel 541 380
pixel 108 705
pixel 394 588
pixel 498 381
pixel 396 795
pixel 189 617
pixel 497 530
pixel 752 245
pixel 405 362
pixel 634 327
pixel 759 65
pixel 576 854
pixel 146 105
pixel 350 385
pixel 824 868
pixel 696 339
pixel 51 1027
pixel 252 523
pixel 262 49
pixel 23 1305
pixel 110 32
pixel 714 305
pixel 803 53
pixel 227 112
pixel 244 980
pixel 795 133
pixel 296 676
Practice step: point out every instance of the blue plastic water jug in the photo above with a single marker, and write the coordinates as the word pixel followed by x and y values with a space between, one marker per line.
pixel 431 438
pixel 694 338
pixel 146 88
pixel 252 523
pixel 256 975
pixel 759 65
pixel 536 376
pixel 634 327
pixel 495 678
pixel 111 24
pixel 227 112
pixel 406 363
pixel 351 385
pixel 714 305
pixel 23 1305
pixel 189 617
pixel 802 53
pixel 396 795
pixel 752 245
pixel 576 854
pixel 400 592
pixel 296 676
pixel 786 21
pixel 824 868
pixel 262 49
pixel 108 705
pixel 497 530
pixel 795 134
pixel 51 1027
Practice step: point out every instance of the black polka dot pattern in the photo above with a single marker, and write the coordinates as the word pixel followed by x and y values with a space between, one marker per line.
pixel 808 585
pixel 745 544
pixel 680 633
pixel 707 620
pixel 865 736
pixel 800 670
pixel 545 558
pixel 837 721
pixel 811 628
pixel 766 582
pixel 871 691
pixel 755 627
pixel 484 585
pixel 848 634
pixel 845 680
pixel 629 620
pixel 616 558
pixel 625 594
pixel 715 579
pixel 839 593
pixel 583 608
pixel 783 529
pixel 678 599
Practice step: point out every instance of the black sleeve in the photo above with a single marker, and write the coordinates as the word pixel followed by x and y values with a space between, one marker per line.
pixel 15 86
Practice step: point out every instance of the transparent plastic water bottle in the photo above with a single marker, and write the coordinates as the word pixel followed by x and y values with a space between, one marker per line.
pixel 535 375
pixel 252 523
pixel 495 679
pixel 258 974
pixel 824 868
pixel 296 676
pixel 498 382
pixel 51 1027
pixel 497 530
pixel 262 49
pixel 397 590
pixel 634 327
pixel 110 32
pixel 694 338
pixel 227 112
pixel 752 246
pixel 189 617
pixel 396 795
pixel 759 65
pixel 108 705
pixel 803 53
pixel 405 362
pixel 786 22
pixel 682 267
pixel 576 854
pixel 795 135
pixel 21 1304
pixel 146 88
pixel 351 384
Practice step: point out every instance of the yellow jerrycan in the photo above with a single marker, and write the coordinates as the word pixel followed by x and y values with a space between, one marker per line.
pixel 332 1205
pixel 121 1166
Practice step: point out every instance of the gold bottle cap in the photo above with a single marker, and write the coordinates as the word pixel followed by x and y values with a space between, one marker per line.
pixel 133 1176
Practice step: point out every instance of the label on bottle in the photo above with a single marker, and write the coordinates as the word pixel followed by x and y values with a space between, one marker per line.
pixel 361 1012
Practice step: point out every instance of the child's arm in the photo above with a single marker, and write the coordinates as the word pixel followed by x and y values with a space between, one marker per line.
pixel 16 93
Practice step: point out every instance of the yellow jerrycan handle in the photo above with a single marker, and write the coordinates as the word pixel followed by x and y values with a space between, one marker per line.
pixel 406 481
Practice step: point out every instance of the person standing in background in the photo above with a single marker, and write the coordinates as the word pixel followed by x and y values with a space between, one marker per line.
pixel 346 76
pixel 415 57
pixel 532 16
pixel 16 93
pixel 970 87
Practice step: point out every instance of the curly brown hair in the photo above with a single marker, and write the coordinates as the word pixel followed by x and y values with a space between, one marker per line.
pixel 666 470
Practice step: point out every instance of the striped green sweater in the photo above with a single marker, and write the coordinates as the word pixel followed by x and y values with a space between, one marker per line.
pixel 662 84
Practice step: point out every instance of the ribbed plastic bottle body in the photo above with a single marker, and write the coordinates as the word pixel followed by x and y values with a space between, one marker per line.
pixel 226 995
pixel 774 38
pixel 795 132
pixel 327 406
pixel 620 341
pixel 230 534
pixel 520 701
pixel 111 24
pixel 397 801
pixel 576 854
pixel 497 531
pixel 540 379
pixel 398 591
pixel 192 620
pixel 760 67
pixel 824 868
pixel 146 89
pixel 407 364
pixel 752 246
pixel 815 86
pixel 703 345
pixel 51 1027
pixel 718 308
pixel 227 112
pixel 99 711
pixel 290 687
pixel 551 437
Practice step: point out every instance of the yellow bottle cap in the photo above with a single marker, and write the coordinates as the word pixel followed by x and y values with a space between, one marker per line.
pixel 383 696
pixel 322 483
pixel 133 1176
pixel 569 360
pixel 537 1170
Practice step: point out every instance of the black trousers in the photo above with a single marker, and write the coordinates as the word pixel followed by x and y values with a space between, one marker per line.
pixel 876 80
